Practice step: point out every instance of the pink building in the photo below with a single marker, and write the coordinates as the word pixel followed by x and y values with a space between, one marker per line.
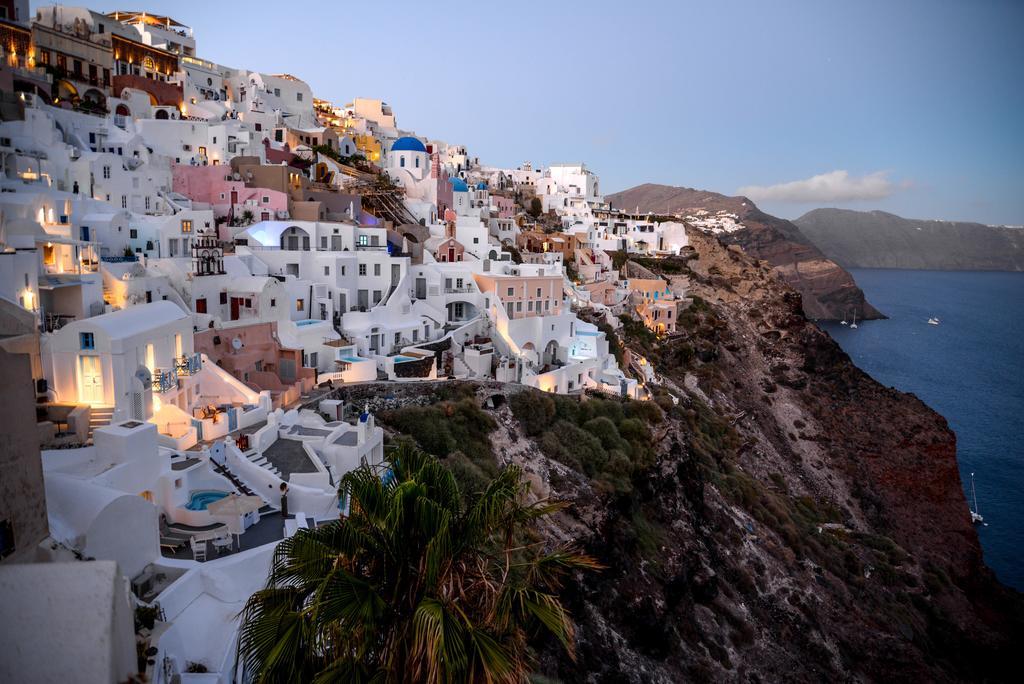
pixel 214 185
pixel 506 206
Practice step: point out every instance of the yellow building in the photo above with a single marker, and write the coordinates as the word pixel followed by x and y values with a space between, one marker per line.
pixel 654 303
pixel 368 146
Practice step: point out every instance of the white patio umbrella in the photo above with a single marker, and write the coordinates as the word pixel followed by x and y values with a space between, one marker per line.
pixel 233 507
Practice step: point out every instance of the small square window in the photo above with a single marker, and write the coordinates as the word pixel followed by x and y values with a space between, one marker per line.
pixel 273 302
pixel 86 340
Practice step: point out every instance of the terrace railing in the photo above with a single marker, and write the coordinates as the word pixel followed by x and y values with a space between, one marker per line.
pixel 165 380
pixel 188 365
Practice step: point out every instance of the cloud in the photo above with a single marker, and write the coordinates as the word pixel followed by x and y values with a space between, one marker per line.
pixel 834 186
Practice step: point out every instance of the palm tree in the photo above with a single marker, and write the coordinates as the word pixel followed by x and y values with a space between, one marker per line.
pixel 418 583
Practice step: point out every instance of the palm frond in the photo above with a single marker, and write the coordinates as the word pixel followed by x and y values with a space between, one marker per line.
pixel 438 641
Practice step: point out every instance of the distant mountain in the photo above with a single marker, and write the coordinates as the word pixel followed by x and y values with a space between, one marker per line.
pixel 875 239
pixel 828 291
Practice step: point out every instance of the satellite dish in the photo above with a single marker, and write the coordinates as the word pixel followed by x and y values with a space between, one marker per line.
pixel 236 344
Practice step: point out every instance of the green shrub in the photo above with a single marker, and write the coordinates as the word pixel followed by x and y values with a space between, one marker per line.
pixel 446 427
pixel 533 410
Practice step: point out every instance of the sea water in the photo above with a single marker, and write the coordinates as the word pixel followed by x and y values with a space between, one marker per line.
pixel 969 368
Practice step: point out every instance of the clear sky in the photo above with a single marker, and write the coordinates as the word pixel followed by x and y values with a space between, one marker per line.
pixel 914 107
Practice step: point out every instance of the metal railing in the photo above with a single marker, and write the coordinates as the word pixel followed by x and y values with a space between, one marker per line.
pixel 165 380
pixel 189 365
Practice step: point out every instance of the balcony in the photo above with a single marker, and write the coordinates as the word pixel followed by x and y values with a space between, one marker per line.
pixel 53 322
pixel 465 289
pixel 189 365
pixel 165 380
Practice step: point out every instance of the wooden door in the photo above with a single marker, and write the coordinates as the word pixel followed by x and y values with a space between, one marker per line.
pixel 92 380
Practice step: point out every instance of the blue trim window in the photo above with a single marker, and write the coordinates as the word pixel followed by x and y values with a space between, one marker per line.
pixel 86 340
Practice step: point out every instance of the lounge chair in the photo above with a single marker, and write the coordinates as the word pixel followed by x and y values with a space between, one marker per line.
pixel 172 544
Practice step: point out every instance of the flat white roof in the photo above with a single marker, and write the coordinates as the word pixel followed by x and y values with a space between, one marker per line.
pixel 253 284
pixel 137 319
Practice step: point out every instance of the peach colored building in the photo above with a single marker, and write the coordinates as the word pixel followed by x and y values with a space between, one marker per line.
pixel 523 296
pixel 215 186
pixel 253 354
pixel 655 303
pixel 602 292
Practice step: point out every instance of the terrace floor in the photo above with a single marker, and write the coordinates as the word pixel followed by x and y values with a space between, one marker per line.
pixel 289 456
pixel 270 528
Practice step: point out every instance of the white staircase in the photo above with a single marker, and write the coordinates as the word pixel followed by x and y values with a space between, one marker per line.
pixel 99 416
pixel 258 459
pixel 460 369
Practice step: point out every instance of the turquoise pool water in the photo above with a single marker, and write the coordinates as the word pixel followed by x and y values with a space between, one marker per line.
pixel 399 358
pixel 308 321
pixel 200 499
pixel 352 359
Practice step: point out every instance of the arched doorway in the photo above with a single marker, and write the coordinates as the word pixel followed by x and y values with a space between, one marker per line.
pixel 550 353
pixel 294 239
pixel 530 353
pixel 94 96
pixel 66 92
pixel 162 114
pixel 461 311
pixel 122 110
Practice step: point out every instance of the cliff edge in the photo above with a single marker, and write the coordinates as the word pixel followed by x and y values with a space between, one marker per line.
pixel 829 291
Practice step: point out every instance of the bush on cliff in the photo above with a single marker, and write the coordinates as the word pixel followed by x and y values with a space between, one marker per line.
pixel 605 439
pixel 455 431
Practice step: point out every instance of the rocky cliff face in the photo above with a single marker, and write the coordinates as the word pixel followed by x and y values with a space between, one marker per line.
pixel 801 521
pixel 785 517
pixel 828 291
pixel 875 239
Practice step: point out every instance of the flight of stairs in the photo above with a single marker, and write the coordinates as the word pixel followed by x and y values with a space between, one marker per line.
pixel 99 416
pixel 260 460
pixel 460 369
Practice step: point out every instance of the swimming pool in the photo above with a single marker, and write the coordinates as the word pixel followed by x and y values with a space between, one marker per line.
pixel 308 321
pixel 399 358
pixel 352 359
pixel 201 498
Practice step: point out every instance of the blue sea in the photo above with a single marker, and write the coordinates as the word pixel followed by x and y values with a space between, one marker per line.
pixel 970 368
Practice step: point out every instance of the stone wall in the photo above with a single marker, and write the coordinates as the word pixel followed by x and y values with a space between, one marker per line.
pixel 22 497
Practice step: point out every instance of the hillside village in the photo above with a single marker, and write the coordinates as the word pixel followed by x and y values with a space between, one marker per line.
pixel 197 261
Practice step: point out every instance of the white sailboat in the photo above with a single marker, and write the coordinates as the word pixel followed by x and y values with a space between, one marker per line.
pixel 843 322
pixel 933 321
pixel 854 323
pixel 975 515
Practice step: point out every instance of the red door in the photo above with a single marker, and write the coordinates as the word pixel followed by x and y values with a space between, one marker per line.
pixel 235 301
pixel 234 197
